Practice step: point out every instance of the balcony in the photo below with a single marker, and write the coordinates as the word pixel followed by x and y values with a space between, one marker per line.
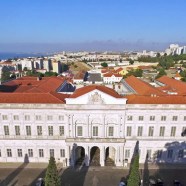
pixel 96 140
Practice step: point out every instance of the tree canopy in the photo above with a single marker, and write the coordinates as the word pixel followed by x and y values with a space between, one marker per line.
pixel 51 177
pixel 136 73
pixel 104 64
pixel 134 177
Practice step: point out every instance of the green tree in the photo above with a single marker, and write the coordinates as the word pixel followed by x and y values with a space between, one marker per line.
pixel 104 64
pixel 161 73
pixel 48 74
pixel 131 61
pixel 158 55
pixel 136 73
pixel 134 177
pixel 6 75
pixel 51 177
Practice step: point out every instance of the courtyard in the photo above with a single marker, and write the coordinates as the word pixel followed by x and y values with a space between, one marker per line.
pixel 27 175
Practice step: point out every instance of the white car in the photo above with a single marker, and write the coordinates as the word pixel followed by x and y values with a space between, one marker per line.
pixel 121 183
pixel 40 182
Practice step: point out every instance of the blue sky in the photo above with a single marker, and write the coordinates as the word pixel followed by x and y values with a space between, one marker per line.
pixel 49 25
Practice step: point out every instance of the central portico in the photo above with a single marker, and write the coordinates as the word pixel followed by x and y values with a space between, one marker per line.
pixel 96 124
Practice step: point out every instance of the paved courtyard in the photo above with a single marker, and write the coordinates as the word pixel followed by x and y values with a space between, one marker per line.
pixel 91 176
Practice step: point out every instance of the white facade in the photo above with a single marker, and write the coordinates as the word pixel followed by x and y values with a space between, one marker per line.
pixel 112 79
pixel 94 119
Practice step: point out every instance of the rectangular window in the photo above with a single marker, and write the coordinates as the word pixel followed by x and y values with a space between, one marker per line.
pixel 51 152
pixel 39 130
pixel 9 153
pixel 95 131
pixel 129 118
pixel 4 117
pixel 169 153
pixel 30 153
pixel 140 131
pixel 140 118
pixel 27 117
pixel 163 118
pixel 61 131
pixel 0 152
pixel 19 153
pixel 184 118
pixel 111 131
pixel 174 118
pixel 16 117
pixel 41 153
pixel 183 132
pixel 61 118
pixel 173 131
pixel 181 153
pixel 38 117
pixel 149 153
pixel 79 131
pixel 50 130
pixel 129 131
pixel 152 118
pixel 127 153
pixel 151 131
pixel 62 153
pixel 49 118
pixel 6 130
pixel 28 130
pixel 17 130
pixel 162 131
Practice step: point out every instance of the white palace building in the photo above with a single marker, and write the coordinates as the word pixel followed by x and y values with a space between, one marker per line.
pixel 94 124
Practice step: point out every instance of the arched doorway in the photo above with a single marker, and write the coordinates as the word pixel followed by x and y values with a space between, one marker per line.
pixel 79 155
pixel 95 156
pixel 110 156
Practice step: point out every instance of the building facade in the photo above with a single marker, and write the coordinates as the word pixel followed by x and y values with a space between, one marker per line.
pixel 94 126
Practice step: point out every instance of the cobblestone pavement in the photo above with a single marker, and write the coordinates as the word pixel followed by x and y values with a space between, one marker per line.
pixel 24 175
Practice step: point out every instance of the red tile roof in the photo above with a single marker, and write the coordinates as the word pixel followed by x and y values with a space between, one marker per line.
pixel 29 98
pixel 119 70
pixel 178 86
pixel 31 84
pixel 141 87
pixel 145 67
pixel 29 90
pixel 110 74
pixel 86 89
pixel 169 99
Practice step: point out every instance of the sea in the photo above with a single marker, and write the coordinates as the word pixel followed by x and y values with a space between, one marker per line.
pixel 9 55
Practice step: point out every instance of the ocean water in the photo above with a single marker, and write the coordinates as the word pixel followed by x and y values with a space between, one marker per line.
pixel 8 55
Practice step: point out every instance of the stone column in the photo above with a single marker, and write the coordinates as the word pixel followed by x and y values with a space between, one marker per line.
pixel 88 126
pixel 102 156
pixel 87 155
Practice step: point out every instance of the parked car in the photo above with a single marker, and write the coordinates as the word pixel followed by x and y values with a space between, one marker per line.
pixel 152 182
pixel 177 183
pixel 159 182
pixel 121 183
pixel 40 182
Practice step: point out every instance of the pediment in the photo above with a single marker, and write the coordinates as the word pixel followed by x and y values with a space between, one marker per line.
pixel 96 97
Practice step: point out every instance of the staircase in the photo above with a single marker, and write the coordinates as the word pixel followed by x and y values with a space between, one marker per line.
pixel 109 162
pixel 79 161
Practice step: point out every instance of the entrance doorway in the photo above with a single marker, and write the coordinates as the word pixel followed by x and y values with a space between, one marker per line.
pixel 79 155
pixel 110 156
pixel 95 156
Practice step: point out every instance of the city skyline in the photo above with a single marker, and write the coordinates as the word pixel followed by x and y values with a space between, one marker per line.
pixel 47 26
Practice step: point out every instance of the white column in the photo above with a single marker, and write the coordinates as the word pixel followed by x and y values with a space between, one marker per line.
pixel 87 155
pixel 102 156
